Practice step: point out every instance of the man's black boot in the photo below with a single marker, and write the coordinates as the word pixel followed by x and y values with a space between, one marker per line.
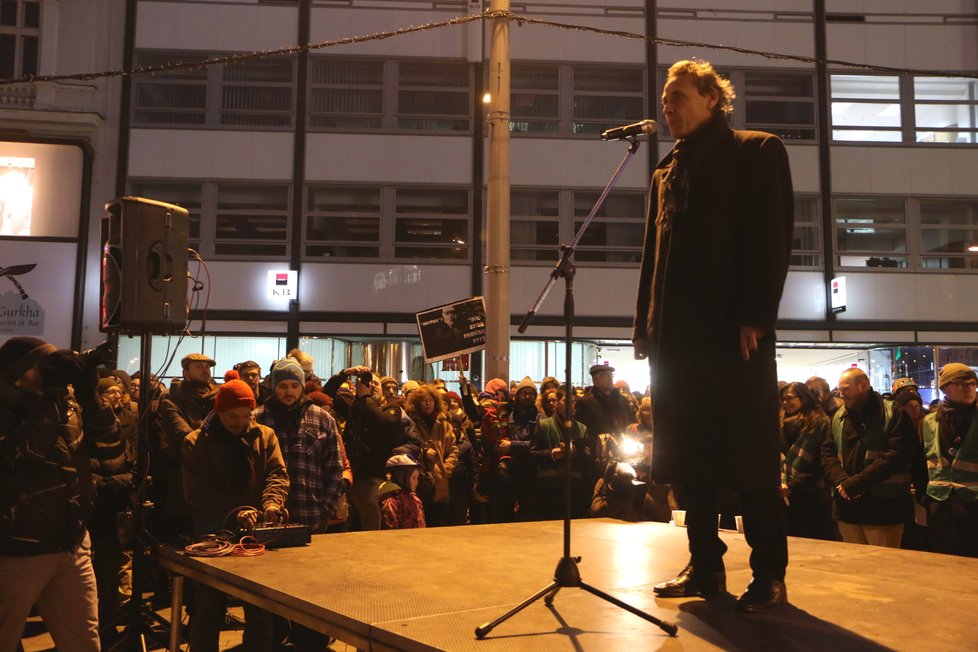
pixel 761 595
pixel 691 583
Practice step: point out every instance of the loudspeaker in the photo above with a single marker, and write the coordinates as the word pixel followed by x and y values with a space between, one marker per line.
pixel 144 267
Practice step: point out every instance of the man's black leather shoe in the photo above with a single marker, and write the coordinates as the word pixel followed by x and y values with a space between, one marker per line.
pixel 690 583
pixel 761 595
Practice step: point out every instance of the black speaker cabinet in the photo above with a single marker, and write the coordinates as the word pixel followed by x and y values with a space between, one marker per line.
pixel 144 267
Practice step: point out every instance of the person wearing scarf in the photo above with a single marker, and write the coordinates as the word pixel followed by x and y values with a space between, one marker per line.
pixel 714 263
pixel 950 450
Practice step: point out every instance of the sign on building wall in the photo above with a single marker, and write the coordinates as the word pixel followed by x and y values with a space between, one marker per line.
pixel 838 288
pixel 37 289
pixel 283 284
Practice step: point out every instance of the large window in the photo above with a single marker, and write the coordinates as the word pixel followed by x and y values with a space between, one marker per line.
pixel 948 227
pixel 570 99
pixel 534 227
pixel 20 23
pixel 946 110
pixel 607 96
pixel 866 108
pixel 617 232
pixel 871 232
pixel 252 220
pixel 343 222
pixel 346 94
pixel 248 94
pixel 228 220
pixel 534 98
pixel 430 223
pixel 780 102
pixel 433 95
pixel 543 219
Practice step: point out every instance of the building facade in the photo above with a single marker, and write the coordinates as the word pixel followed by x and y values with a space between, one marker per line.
pixel 362 166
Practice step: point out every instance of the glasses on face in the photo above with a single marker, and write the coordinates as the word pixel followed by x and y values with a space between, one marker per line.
pixel 966 384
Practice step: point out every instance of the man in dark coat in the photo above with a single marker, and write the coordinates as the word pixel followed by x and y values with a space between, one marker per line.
pixel 716 254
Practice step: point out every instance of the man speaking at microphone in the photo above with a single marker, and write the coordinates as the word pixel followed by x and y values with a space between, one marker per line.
pixel 717 246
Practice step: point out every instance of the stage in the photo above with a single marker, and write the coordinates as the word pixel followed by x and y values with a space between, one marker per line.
pixel 429 589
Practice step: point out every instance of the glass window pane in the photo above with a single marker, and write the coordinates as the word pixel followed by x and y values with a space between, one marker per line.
pixel 871 238
pixel 433 103
pixel 870 210
pixel 865 87
pixel 530 77
pixel 259 70
pixel 344 228
pixel 864 114
pixel 778 84
pixel 610 79
pixel 531 203
pixel 344 199
pixel 8 52
pixel 453 202
pixel 347 72
pixel 8 13
pixel 955 116
pixel 866 135
pixel 628 205
pixel 434 74
pixel 608 108
pixel 779 112
pixel 948 212
pixel 431 230
pixel 32 14
pixel 948 240
pixel 948 89
pixel 29 56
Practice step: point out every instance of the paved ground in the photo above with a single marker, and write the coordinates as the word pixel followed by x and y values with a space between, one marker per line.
pixel 36 639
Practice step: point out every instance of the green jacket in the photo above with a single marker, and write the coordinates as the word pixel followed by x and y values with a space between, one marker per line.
pixel 945 476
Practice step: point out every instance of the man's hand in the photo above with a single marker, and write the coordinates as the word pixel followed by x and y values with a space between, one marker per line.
pixel 247 518
pixel 557 453
pixel 355 371
pixel 749 335
pixel 641 346
pixel 842 492
pixel 503 446
pixel 273 514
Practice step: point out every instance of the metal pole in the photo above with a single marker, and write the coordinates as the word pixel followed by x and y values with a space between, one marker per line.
pixel 497 197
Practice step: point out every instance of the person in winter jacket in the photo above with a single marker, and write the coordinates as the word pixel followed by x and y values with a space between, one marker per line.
pixel 400 507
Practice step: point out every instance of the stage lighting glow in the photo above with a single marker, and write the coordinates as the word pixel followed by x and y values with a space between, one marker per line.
pixel 631 447
pixel 16 195
pixel 486 98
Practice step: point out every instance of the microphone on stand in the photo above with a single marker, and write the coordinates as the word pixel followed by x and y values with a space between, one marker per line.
pixel 627 131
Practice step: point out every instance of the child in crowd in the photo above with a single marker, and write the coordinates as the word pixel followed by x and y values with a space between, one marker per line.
pixel 400 507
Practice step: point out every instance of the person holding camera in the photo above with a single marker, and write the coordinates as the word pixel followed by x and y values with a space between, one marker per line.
pixel 374 432
pixel 50 414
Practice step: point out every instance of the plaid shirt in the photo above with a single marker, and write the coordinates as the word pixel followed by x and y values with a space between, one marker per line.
pixel 312 457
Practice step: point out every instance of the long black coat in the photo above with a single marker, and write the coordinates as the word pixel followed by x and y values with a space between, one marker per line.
pixel 708 268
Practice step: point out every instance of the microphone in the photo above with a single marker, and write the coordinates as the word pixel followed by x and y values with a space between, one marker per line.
pixel 627 131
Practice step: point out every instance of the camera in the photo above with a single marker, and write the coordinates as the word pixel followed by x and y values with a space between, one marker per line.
pixel 366 378
pixel 102 355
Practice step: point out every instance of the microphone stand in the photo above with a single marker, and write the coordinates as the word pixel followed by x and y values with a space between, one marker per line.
pixel 567 574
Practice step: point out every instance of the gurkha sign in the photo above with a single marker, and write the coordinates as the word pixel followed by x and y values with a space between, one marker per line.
pixel 19 314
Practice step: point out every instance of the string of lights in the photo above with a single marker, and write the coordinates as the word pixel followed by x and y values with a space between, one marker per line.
pixel 521 20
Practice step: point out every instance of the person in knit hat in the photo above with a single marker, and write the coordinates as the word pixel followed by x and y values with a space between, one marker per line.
pixel 47 491
pixel 950 456
pixel 230 462
pixel 511 482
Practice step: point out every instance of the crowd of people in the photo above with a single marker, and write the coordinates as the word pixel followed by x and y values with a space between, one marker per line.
pixel 366 452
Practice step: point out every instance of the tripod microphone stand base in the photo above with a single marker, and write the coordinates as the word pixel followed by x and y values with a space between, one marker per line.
pixel 567 576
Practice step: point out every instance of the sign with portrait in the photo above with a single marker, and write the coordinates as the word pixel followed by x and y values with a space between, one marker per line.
pixel 453 329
